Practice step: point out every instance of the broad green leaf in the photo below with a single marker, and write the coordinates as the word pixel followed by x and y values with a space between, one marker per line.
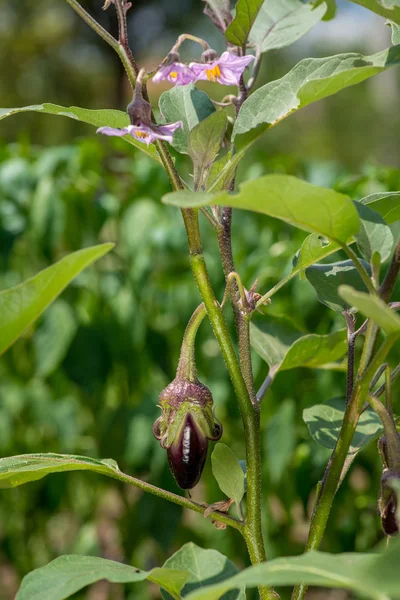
pixel 282 22
pixel 324 422
pixel 98 118
pixel 214 180
pixel 204 144
pixel 54 336
pixel 228 472
pixel 219 12
pixel 327 278
pixel 203 566
pixel 246 13
pixel 67 575
pixel 395 33
pixel 372 307
pixel 310 80
pixel 284 197
pixel 390 9
pixel 21 305
pixel 374 236
pixel 374 576
pixel 187 104
pixel 17 470
pixel 308 351
pixel 272 338
pixel 387 204
pixel 280 440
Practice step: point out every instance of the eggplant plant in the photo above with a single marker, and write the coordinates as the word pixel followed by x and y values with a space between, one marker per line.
pixel 358 285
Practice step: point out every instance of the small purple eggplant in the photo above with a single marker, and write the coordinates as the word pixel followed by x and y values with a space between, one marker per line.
pixel 184 428
pixel 388 503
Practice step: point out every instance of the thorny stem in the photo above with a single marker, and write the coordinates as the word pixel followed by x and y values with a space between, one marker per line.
pixel 336 463
pixel 187 365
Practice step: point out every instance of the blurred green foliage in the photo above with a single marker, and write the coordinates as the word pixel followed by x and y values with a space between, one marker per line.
pixel 86 378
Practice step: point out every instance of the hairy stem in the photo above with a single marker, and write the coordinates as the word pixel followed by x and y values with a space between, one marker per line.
pixel 187 365
pixel 331 479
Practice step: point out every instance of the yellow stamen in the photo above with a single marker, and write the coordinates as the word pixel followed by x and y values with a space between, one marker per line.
pixel 141 134
pixel 213 74
pixel 173 74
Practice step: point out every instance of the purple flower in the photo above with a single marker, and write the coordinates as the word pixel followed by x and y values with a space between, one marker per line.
pixel 177 73
pixel 145 133
pixel 227 69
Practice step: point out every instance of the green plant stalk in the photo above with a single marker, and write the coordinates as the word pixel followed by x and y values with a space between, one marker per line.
pixel 358 265
pixel 187 364
pixel 333 472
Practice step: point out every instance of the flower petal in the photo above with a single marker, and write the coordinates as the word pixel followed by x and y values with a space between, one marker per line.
pixel 113 131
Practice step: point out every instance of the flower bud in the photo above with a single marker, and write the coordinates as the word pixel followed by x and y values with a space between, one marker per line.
pixel 209 56
pixel 186 424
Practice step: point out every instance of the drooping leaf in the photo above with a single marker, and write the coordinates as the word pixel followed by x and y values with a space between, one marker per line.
pixel 187 104
pixel 203 566
pixel 219 12
pixel 390 9
pixel 373 576
pixel 327 278
pixel 374 236
pixel 282 22
pixel 246 13
pixel 372 307
pixel 324 422
pixel 204 144
pixel 21 305
pixel 98 118
pixel 280 440
pixel 310 80
pixel 387 204
pixel 308 351
pixel 228 472
pixel 54 336
pixel 284 197
pixel 67 575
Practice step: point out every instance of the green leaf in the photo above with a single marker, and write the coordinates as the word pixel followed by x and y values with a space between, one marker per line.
pixel 21 305
pixel 187 104
pixel 280 440
pixel 390 9
pixel 98 118
pixel 387 204
pixel 17 470
pixel 372 307
pixel 203 566
pixel 331 11
pixel 282 353
pixel 327 278
pixel 284 197
pixel 282 22
pixel 204 144
pixel 374 576
pixel 374 235
pixel 246 13
pixel 67 575
pixel 54 336
pixel 310 80
pixel 214 180
pixel 324 422
pixel 228 472
pixel 395 33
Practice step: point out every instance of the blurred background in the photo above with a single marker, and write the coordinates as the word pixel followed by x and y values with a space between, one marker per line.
pixel 86 378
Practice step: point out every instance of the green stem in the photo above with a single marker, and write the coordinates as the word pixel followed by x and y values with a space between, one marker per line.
pixel 391 434
pixel 358 265
pixel 335 466
pixel 187 364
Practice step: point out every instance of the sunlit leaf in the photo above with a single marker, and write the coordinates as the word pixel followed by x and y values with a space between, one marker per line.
pixel 310 80
pixel 228 472
pixel 98 118
pixel 204 144
pixel 282 22
pixel 374 236
pixel 284 197
pixel 187 104
pixel 389 9
pixel 67 575
pixel 21 305
pixel 245 15
pixel 387 204
pixel 374 576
